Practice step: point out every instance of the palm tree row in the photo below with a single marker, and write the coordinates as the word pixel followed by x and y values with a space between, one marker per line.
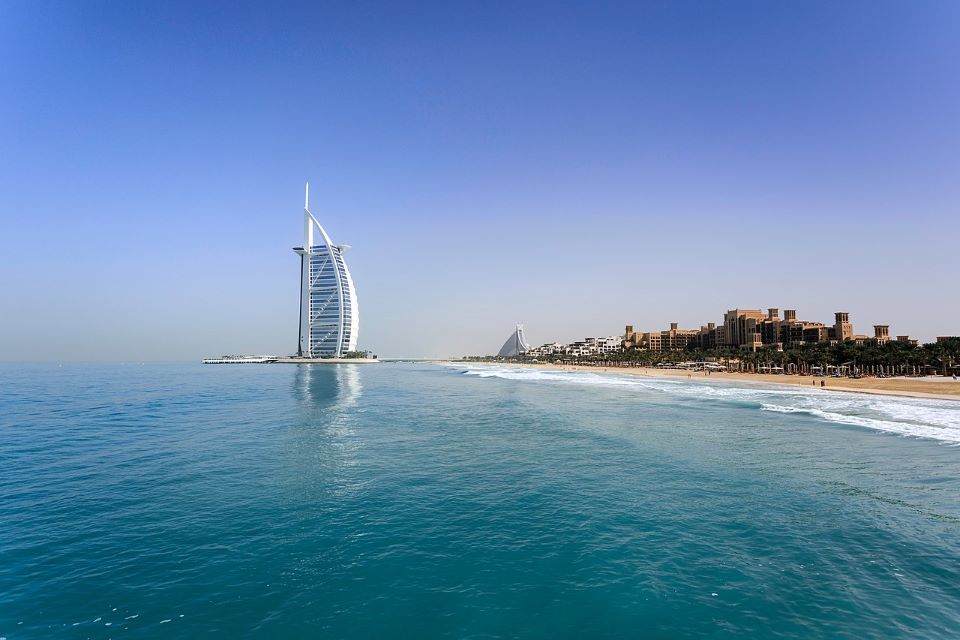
pixel 889 358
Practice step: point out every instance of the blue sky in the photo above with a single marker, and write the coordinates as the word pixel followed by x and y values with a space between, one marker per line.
pixel 574 166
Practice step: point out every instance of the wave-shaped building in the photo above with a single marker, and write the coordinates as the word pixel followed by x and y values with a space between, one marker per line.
pixel 515 345
pixel 329 316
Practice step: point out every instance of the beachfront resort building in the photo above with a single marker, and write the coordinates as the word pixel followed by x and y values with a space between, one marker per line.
pixel 595 346
pixel 329 315
pixel 548 349
pixel 672 339
pixel 752 329
pixel 516 344
pixel 581 348
pixel 743 329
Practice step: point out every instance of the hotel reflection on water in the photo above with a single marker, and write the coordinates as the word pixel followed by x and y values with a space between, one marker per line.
pixel 329 386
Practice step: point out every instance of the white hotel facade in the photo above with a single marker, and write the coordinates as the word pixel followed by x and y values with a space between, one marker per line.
pixel 329 315
pixel 585 347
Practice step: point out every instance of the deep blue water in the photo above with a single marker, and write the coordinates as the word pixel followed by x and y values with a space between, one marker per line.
pixel 421 501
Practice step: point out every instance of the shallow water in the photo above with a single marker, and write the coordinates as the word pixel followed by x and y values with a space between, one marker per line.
pixel 937 419
pixel 429 501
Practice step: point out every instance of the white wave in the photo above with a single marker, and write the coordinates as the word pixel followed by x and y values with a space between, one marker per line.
pixel 509 373
pixel 902 428
pixel 923 418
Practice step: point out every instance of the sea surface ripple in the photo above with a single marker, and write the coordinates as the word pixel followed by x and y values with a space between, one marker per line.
pixel 421 501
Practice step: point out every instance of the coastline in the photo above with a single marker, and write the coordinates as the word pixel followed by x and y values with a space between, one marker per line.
pixel 902 387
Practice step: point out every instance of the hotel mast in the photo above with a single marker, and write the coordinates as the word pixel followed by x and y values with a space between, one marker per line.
pixel 329 316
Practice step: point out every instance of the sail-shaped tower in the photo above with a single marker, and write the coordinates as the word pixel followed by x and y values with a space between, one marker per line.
pixel 329 316
pixel 516 344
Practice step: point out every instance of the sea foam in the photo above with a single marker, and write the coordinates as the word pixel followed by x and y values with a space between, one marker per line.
pixel 916 417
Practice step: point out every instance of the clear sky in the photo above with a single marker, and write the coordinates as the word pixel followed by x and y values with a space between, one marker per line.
pixel 572 166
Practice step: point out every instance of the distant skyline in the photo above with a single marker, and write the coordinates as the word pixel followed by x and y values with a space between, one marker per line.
pixel 572 167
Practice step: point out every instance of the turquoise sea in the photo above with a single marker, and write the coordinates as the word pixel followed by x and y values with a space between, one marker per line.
pixel 432 501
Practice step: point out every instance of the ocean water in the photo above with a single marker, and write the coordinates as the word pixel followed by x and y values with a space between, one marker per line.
pixel 429 501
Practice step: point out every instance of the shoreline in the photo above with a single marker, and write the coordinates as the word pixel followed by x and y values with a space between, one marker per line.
pixel 897 387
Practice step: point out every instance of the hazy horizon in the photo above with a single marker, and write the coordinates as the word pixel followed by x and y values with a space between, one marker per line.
pixel 574 169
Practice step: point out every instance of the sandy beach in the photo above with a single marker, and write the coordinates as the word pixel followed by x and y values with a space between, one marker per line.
pixel 938 388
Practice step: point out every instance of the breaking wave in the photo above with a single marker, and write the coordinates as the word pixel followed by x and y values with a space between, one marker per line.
pixel 921 418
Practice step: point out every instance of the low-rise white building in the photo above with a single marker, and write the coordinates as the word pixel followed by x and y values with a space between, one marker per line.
pixel 594 346
pixel 548 349
pixel 582 348
pixel 609 344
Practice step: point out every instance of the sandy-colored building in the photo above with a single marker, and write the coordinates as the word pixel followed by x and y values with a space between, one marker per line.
pixel 881 333
pixel 788 331
pixel 672 339
pixel 711 336
pixel 842 329
pixel 740 325
pixel 752 329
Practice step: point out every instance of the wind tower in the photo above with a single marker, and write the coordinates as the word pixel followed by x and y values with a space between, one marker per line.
pixel 329 315
pixel 842 328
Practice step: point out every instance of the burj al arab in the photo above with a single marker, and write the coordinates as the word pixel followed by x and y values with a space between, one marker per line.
pixel 329 315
